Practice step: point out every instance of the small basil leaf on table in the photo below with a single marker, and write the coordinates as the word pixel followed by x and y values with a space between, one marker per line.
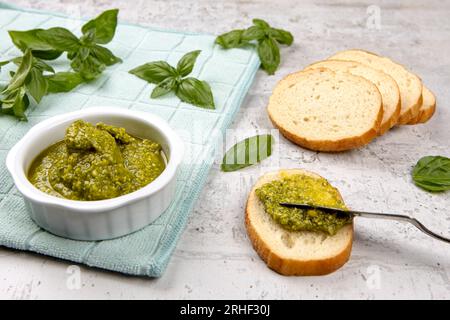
pixel 154 72
pixel 247 152
pixel 261 24
pixel 103 27
pixel 195 92
pixel 432 173
pixel 63 81
pixel 186 63
pixel 253 33
pixel 164 87
pixel 60 39
pixel 232 39
pixel 266 39
pixel 269 54
pixel 282 36
pixel 37 85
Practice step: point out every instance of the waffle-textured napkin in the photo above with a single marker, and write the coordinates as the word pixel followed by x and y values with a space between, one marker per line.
pixel 230 74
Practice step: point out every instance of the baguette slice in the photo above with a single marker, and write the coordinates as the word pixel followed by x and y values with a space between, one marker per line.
pixel 294 252
pixel 409 84
pixel 385 83
pixel 326 111
pixel 427 109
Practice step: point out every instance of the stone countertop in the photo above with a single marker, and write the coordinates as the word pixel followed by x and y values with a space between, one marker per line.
pixel 214 258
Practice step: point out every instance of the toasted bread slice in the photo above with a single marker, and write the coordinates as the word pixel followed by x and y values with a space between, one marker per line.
pixel 322 110
pixel 427 109
pixel 385 83
pixel 294 252
pixel 409 84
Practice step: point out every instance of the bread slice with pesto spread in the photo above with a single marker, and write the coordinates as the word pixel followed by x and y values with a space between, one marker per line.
pixel 300 253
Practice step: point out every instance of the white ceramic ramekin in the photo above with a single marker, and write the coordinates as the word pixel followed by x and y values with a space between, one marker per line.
pixel 104 219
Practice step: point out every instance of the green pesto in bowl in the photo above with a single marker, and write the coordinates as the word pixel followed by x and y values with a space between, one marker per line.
pixel 298 188
pixel 96 162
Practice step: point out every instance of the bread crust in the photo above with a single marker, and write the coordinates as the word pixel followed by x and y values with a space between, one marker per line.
pixel 331 145
pixel 426 113
pixel 292 267
pixel 413 111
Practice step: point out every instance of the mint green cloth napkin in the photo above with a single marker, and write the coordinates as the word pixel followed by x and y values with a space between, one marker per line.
pixel 145 252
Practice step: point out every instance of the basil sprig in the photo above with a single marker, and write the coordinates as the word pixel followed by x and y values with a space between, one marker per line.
pixel 432 173
pixel 168 78
pixel 27 81
pixel 88 57
pixel 267 40
pixel 247 152
pixel 34 78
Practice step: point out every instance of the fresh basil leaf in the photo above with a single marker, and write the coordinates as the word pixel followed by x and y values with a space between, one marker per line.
pixel 269 54
pixel 59 39
pixel 4 63
pixel 232 39
pixel 104 55
pixel 154 72
pixel 432 173
pixel 41 65
pixel 282 36
pixel 247 152
pixel 22 72
pixel 88 68
pixel 63 81
pixel 195 92
pixel 37 85
pixel 253 33
pixel 186 63
pixel 103 27
pixel 16 103
pixel 261 24
pixel 164 87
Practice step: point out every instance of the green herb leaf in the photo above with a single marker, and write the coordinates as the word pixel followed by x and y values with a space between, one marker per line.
pixel 261 24
pixel 104 55
pixel 63 81
pixel 15 103
pixel 247 152
pixel 269 54
pixel 164 87
pixel 432 173
pixel 282 36
pixel 22 72
pixel 232 39
pixel 253 33
pixel 4 63
pixel 186 63
pixel 37 85
pixel 154 72
pixel 89 67
pixel 60 39
pixel 29 40
pixel 195 92
pixel 103 27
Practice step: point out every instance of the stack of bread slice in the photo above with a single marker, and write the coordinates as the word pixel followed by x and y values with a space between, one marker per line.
pixel 346 101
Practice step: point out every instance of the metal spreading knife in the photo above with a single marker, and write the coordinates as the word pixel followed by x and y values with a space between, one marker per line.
pixel 374 215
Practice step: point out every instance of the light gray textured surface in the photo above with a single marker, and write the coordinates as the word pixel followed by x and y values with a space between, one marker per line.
pixel 214 258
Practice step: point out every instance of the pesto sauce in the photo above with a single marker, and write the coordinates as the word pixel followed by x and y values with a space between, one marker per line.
pixel 303 189
pixel 96 163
